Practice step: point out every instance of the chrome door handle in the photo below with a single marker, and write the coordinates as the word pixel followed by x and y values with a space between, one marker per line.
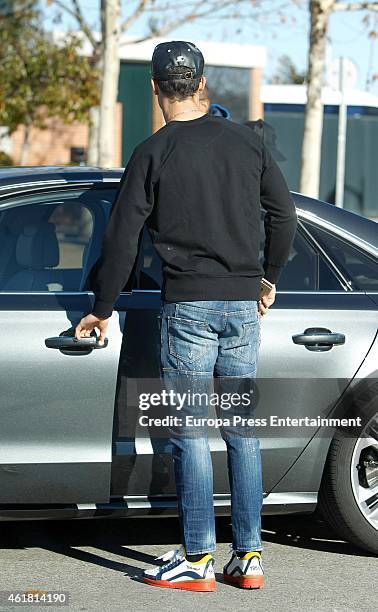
pixel 319 339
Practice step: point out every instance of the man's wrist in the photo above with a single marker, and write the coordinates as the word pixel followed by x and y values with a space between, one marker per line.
pixel 102 310
pixel 102 318
pixel 272 273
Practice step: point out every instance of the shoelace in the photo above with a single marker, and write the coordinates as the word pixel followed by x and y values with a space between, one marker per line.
pixel 172 555
pixel 168 566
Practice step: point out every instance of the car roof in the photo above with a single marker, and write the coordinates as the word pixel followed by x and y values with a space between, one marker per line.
pixel 23 174
pixel 317 210
pixel 349 222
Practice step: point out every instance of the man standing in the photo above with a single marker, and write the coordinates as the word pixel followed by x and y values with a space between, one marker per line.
pixel 198 183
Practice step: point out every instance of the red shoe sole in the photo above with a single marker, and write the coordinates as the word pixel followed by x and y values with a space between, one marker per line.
pixel 191 585
pixel 245 582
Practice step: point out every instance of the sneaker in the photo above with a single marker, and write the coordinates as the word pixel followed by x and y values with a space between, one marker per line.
pixel 179 573
pixel 247 571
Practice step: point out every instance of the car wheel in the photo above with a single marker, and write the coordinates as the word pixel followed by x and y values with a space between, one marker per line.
pixel 348 496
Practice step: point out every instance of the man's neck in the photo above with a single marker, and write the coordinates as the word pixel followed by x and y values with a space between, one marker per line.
pixel 181 111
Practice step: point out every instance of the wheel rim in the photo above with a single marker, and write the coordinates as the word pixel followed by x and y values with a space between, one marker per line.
pixel 364 472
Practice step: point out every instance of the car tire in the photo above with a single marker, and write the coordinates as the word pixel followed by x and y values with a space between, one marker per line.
pixel 344 485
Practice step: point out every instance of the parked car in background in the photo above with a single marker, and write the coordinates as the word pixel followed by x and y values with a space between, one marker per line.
pixel 70 441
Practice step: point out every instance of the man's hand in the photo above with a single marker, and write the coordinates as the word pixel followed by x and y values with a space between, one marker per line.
pixel 267 300
pixel 87 325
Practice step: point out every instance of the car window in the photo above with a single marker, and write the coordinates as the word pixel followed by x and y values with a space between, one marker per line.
pixel 327 279
pixel 357 266
pixel 47 240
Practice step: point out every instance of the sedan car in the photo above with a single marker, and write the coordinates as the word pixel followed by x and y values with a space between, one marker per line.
pixel 71 441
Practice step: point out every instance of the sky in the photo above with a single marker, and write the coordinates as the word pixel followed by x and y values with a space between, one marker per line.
pixel 348 34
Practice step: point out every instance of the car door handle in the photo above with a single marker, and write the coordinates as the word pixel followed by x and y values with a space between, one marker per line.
pixel 67 340
pixel 319 339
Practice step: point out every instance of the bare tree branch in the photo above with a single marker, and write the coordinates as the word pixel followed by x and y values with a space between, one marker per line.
pixel 214 5
pixel 77 13
pixel 134 16
pixel 175 23
pixel 356 6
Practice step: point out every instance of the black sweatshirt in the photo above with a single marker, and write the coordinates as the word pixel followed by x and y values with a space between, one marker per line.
pixel 198 184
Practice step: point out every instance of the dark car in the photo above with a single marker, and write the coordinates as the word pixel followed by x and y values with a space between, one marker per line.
pixel 71 442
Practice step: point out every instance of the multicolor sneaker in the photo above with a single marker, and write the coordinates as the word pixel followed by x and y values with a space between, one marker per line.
pixel 247 571
pixel 179 573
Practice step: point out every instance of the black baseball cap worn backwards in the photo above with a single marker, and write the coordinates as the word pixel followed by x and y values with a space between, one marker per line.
pixel 169 56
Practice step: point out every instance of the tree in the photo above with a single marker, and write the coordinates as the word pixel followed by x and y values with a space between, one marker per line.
pixel 320 12
pixel 287 73
pixel 39 79
pixel 110 27
pixel 163 18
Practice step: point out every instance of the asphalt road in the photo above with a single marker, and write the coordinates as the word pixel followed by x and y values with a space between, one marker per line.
pixel 99 564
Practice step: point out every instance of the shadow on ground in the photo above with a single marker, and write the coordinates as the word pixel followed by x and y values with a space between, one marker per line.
pixel 114 536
